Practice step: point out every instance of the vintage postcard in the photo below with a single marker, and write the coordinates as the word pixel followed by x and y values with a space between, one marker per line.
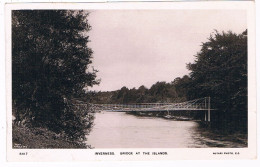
pixel 130 81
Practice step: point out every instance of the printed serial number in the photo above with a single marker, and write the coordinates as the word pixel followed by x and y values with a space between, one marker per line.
pixel 23 153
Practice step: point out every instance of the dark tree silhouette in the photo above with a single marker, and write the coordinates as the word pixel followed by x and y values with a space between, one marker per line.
pixel 50 58
pixel 220 71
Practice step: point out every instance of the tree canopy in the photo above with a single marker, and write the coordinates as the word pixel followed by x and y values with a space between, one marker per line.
pixel 50 62
pixel 220 71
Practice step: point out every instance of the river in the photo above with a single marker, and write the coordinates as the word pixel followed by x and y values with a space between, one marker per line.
pixel 121 130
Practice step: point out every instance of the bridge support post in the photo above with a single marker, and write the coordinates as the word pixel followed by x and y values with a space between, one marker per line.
pixel 205 112
pixel 209 109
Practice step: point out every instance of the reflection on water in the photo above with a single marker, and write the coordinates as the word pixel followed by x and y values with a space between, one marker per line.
pixel 121 130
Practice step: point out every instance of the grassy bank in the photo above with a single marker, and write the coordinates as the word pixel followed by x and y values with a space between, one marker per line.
pixel 24 137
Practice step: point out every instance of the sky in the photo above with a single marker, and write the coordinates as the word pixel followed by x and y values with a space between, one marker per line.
pixel 141 47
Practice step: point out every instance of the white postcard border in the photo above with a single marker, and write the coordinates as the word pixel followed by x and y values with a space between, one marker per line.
pixel 173 153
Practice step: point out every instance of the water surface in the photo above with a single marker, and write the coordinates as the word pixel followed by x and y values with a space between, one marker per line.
pixel 121 130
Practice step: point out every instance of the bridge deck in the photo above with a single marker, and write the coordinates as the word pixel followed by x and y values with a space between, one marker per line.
pixel 202 104
pixel 157 110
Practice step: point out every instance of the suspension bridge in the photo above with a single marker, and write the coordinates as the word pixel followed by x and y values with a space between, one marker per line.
pixel 201 104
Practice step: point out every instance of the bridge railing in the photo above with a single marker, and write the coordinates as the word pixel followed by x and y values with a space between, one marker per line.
pixel 199 104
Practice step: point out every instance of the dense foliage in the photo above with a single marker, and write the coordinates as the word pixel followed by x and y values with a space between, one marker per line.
pixel 160 92
pixel 220 71
pixel 50 58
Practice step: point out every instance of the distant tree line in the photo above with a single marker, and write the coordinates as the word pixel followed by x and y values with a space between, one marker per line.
pixel 219 72
pixel 160 92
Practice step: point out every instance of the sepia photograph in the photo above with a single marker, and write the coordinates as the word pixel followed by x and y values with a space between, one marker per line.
pixel 93 79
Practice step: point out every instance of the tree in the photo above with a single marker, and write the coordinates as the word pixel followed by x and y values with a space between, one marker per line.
pixel 181 86
pixel 141 93
pixel 50 65
pixel 163 92
pixel 220 71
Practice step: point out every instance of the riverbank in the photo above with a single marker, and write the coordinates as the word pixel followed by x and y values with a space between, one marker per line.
pixel 160 115
pixel 24 137
pixel 215 125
